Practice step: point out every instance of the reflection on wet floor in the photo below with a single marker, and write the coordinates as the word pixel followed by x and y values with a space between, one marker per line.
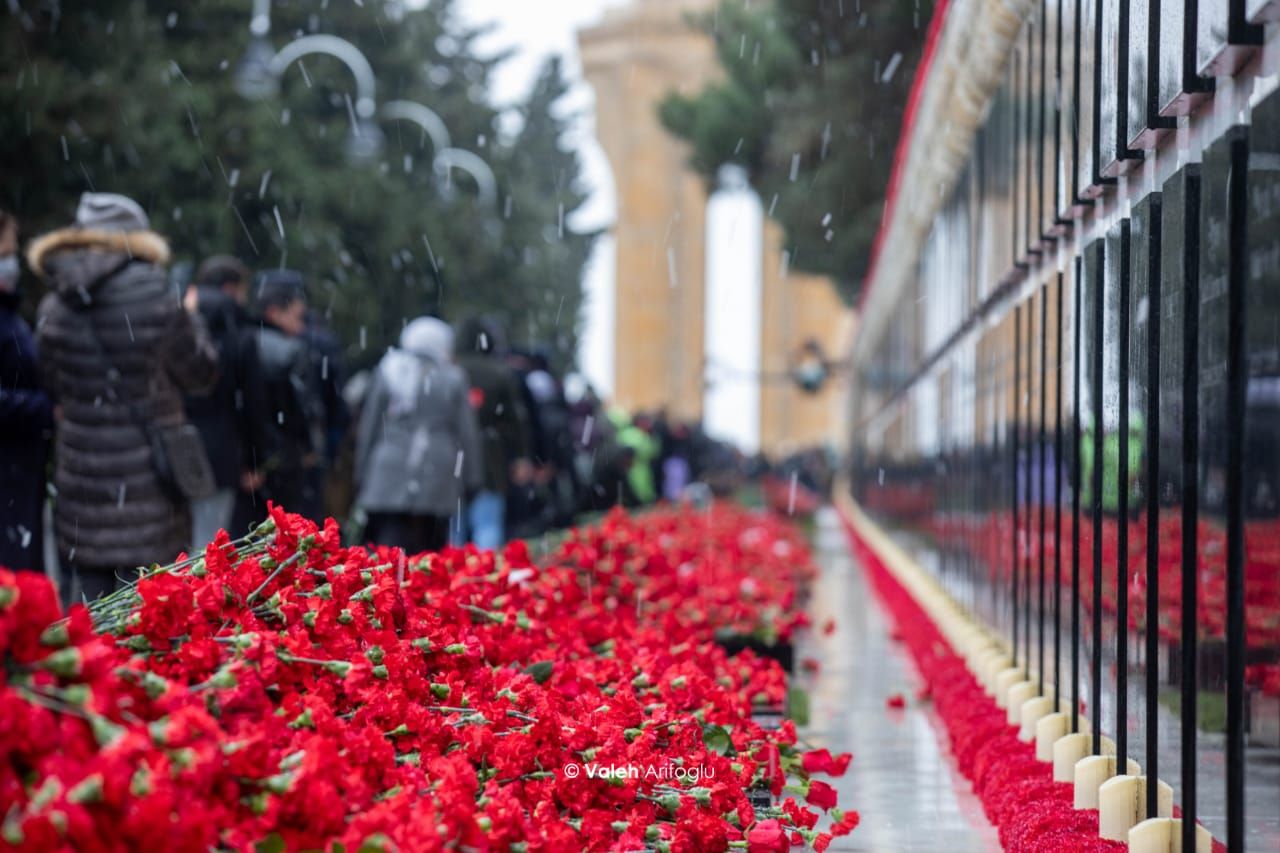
pixel 902 779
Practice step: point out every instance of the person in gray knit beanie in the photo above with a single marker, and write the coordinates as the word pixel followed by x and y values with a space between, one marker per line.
pixel 118 350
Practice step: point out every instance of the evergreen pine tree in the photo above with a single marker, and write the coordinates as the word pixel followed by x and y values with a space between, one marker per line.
pixel 810 104
pixel 140 97
pixel 546 255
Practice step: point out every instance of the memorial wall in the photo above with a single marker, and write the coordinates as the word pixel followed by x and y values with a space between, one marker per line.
pixel 1073 418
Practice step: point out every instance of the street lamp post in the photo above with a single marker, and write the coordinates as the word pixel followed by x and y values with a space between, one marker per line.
pixel 260 23
pixel 252 79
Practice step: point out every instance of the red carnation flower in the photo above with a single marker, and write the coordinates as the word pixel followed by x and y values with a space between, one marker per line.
pixel 847 823
pixel 820 761
pixel 821 795
pixel 768 836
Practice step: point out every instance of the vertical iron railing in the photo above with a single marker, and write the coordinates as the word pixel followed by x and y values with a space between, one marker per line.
pixel 1237 256
pixel 1152 494
pixel 1013 465
pixel 1097 292
pixel 1057 501
pixel 1076 482
pixel 1190 498
pixel 1043 442
pixel 1122 526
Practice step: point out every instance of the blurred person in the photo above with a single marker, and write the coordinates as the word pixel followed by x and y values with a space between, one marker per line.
pixel 229 414
pixel 530 506
pixel 118 350
pixel 612 484
pixel 418 453
pixel 329 365
pixel 325 349
pixel 590 432
pixel 287 456
pixel 677 469
pixel 660 431
pixel 634 435
pixel 558 473
pixel 505 435
pixel 26 421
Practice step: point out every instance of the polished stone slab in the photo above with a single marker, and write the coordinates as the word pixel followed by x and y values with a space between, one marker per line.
pixel 902 779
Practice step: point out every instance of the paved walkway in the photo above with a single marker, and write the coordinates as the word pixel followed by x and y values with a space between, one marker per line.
pixel 902 780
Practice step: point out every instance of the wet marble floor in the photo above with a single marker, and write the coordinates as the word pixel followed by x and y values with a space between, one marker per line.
pixel 902 779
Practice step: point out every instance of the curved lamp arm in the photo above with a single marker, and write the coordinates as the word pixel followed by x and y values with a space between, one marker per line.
pixel 340 49
pixel 472 164
pixel 424 117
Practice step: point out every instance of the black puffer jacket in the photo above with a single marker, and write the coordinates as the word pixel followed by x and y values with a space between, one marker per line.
pixel 111 510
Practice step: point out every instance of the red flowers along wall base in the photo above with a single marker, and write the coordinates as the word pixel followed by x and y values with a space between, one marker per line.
pixel 1033 813
pixel 282 692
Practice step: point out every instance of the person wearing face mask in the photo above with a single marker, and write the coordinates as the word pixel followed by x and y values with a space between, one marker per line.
pixel 26 421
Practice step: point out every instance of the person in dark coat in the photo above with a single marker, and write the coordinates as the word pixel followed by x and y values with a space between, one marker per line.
pixel 417 447
pixel 26 421
pixel 531 509
pixel 325 349
pixel 329 366
pixel 118 350
pixel 505 434
pixel 233 410
pixel 557 471
pixel 288 454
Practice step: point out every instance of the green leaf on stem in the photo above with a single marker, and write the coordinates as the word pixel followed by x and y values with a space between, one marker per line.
pixel 540 671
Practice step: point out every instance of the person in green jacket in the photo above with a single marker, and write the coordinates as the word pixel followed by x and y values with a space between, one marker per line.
pixel 634 435
pixel 1111 465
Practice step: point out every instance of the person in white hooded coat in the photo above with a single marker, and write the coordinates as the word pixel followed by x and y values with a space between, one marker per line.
pixel 417 446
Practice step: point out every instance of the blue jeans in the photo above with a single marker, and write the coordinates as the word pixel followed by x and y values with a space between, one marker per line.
pixel 483 522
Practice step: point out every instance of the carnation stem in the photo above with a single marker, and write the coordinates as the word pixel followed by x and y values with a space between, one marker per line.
pixel 49 703
pixel 274 574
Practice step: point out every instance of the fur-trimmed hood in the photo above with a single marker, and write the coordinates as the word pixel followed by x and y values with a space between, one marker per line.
pixel 144 245
pixel 73 258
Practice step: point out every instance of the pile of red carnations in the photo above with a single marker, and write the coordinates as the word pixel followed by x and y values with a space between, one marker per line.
pixel 283 692
pixel 988 540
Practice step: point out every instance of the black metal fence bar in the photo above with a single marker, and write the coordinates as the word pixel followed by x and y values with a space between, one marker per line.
pixel 1152 493
pixel 1042 444
pixel 1076 479
pixel 1097 308
pixel 1122 529
pixel 1013 469
pixel 1237 200
pixel 1058 470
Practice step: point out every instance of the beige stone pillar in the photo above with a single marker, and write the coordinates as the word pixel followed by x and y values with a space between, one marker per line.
pixel 632 59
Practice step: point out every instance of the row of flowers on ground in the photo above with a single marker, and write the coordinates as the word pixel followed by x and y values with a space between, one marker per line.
pixel 988 538
pixel 1032 812
pixel 284 692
